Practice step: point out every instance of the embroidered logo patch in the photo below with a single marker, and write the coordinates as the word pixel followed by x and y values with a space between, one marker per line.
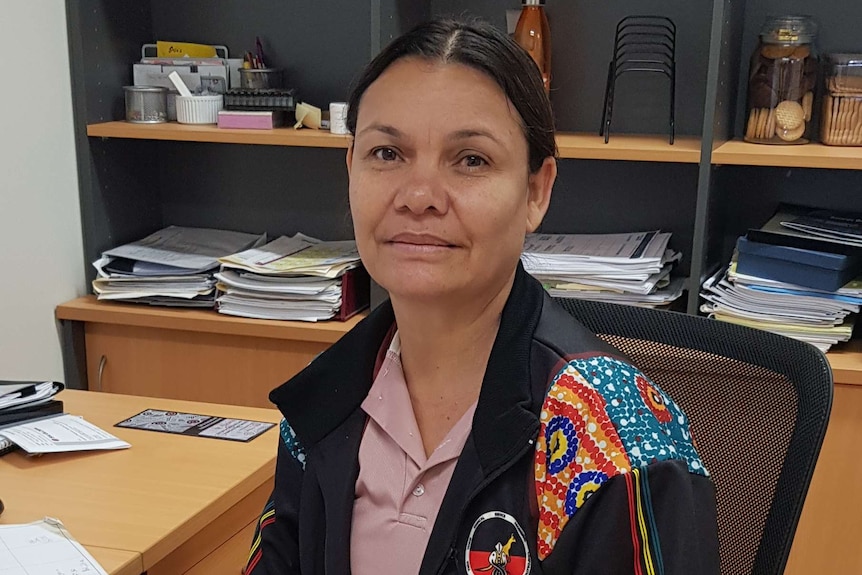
pixel 497 546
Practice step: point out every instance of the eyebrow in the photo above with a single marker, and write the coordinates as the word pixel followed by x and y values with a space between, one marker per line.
pixel 474 133
pixel 458 135
pixel 385 129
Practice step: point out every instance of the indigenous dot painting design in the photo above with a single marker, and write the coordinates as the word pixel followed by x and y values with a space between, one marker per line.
pixel 601 418
pixel 288 436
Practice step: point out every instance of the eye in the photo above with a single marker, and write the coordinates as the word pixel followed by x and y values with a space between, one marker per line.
pixel 385 154
pixel 473 161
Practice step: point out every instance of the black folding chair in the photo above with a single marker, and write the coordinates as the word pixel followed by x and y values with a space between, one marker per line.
pixel 758 404
pixel 641 44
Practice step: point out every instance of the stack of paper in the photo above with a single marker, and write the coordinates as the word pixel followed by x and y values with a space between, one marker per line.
pixel 631 268
pixel 173 266
pixel 820 318
pixel 24 400
pixel 290 278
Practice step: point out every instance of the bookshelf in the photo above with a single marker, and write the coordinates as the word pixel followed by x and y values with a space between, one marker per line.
pixel 89 309
pixel 739 153
pixel 646 148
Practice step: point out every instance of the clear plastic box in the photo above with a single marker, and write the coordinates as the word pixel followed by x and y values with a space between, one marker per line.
pixel 841 123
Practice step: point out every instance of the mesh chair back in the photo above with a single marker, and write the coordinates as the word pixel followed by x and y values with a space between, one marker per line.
pixel 758 404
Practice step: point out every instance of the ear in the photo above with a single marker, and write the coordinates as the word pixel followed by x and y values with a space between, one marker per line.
pixel 539 186
pixel 349 157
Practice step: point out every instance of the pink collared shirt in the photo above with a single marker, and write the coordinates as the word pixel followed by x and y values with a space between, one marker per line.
pixel 399 490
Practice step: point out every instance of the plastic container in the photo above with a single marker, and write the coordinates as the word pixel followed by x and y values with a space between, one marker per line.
pixel 533 34
pixel 146 104
pixel 841 122
pixel 260 78
pixel 199 109
pixel 781 82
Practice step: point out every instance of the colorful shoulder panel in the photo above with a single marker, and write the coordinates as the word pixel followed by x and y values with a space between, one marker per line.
pixel 601 418
pixel 288 436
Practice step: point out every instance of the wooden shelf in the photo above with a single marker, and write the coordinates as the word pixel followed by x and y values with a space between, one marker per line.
pixel 210 133
pixel 638 148
pixel 741 153
pixel 89 309
pixel 571 145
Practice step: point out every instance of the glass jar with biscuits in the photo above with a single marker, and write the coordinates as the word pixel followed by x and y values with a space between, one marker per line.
pixel 781 82
pixel 841 122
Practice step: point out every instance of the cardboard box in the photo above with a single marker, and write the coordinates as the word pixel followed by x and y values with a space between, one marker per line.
pixel 807 268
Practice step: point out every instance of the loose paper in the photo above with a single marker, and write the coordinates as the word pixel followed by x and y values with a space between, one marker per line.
pixel 60 434
pixel 43 548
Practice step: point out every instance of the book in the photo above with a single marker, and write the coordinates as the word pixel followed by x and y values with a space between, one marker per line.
pixel 776 231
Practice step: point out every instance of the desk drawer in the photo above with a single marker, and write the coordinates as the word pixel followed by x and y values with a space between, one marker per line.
pixel 176 364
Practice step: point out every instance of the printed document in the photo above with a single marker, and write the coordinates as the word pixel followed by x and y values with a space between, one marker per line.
pixel 60 434
pixel 43 548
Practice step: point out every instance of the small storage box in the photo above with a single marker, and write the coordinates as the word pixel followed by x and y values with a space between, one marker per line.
pixel 808 268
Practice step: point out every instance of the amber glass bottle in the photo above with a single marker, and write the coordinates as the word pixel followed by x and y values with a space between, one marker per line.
pixel 534 35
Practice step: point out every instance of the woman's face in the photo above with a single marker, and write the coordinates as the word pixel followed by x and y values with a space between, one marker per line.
pixel 440 189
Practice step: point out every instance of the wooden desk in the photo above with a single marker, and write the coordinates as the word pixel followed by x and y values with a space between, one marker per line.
pixel 163 506
pixel 827 539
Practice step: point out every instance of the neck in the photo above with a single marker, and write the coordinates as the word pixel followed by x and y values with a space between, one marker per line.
pixel 445 347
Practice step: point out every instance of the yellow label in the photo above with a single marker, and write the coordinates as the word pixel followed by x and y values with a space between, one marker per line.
pixel 786 35
pixel 183 49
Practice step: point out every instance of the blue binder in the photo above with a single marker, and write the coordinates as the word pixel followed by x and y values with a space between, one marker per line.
pixel 808 268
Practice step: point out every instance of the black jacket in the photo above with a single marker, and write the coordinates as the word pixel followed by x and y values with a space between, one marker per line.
pixel 575 462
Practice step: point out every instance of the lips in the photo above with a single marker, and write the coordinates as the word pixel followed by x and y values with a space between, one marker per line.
pixel 420 240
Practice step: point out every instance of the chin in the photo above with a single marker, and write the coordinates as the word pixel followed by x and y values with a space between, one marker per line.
pixel 408 285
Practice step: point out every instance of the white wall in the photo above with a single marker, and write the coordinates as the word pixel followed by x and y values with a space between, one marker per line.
pixel 40 223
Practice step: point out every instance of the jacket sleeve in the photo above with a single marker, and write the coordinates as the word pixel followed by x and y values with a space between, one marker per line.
pixel 659 519
pixel 275 547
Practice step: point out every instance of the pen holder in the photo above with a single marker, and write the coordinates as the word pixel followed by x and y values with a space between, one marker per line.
pixel 146 104
pixel 199 109
pixel 260 78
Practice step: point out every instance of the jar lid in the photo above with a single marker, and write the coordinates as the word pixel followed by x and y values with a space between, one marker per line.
pixel 145 89
pixel 795 29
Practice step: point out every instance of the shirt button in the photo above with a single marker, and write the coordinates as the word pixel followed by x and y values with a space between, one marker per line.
pixel 419 490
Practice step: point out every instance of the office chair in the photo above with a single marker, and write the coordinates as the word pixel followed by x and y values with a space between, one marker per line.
pixel 758 404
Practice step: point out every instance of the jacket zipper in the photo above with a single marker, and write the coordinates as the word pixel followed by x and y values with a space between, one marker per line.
pixel 487 481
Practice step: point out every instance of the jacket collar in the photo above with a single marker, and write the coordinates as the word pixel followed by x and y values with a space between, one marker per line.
pixel 323 395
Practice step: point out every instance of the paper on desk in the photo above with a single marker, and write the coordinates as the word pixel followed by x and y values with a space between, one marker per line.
pixel 60 434
pixel 43 548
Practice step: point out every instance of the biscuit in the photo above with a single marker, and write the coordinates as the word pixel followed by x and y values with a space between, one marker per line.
pixel 770 123
pixel 800 52
pixel 776 51
pixel 752 124
pixel 807 105
pixel 762 115
pixel 790 135
pixel 789 115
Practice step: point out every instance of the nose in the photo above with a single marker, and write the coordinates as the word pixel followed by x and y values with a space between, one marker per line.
pixel 423 190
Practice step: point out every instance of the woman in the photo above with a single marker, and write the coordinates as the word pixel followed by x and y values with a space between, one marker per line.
pixel 469 425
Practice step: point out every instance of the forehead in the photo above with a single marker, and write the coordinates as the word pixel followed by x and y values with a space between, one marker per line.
pixel 415 89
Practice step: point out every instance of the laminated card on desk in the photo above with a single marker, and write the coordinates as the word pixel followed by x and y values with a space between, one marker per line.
pixel 44 547
pixel 196 425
